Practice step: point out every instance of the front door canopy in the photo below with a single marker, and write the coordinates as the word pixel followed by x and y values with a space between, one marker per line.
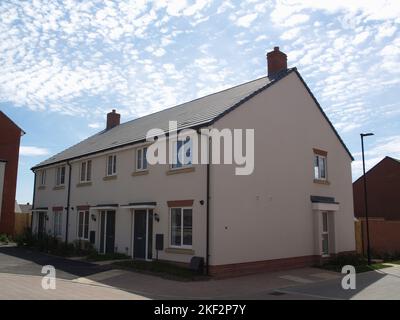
pixel 140 205
pixel 40 210
pixel 104 207
pixel 320 203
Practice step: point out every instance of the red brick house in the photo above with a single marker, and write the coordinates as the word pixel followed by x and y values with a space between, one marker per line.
pixel 10 135
pixel 383 189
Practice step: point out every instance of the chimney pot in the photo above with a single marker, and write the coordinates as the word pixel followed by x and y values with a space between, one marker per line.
pixel 113 119
pixel 277 61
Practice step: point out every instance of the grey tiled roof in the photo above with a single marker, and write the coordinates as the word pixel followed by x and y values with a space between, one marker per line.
pixel 196 113
pixel 191 114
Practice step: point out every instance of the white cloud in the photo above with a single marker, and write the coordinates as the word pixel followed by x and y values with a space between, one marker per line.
pixel 261 38
pixel 371 10
pixel 246 21
pixel 31 151
pixel 159 52
pixel 94 125
pixel 361 37
pixel 385 31
pixel 290 34
pixel 295 20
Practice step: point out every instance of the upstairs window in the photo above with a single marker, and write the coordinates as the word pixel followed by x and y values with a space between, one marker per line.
pixel 182 153
pixel 141 159
pixel 42 177
pixel 86 171
pixel 111 165
pixel 60 176
pixel 320 166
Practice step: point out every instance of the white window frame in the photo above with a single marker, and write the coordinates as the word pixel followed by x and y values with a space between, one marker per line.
pixel 59 175
pixel 318 175
pixel 177 165
pixel 143 159
pixel 182 246
pixel 324 233
pixel 88 173
pixel 113 164
pixel 57 223
pixel 84 212
pixel 42 177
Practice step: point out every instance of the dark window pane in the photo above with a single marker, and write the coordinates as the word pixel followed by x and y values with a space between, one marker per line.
pixel 139 159
pixel 62 179
pixel 86 231
pixel 80 227
pixel 176 228
pixel 83 171
pixel 89 170
pixel 109 166
pixel 187 227
pixel 145 158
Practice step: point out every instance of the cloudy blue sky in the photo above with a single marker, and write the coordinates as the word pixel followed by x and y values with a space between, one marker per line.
pixel 64 64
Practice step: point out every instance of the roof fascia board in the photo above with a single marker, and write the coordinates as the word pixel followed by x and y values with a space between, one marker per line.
pixel 324 114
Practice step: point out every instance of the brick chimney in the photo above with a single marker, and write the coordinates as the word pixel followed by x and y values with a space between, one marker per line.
pixel 113 119
pixel 277 61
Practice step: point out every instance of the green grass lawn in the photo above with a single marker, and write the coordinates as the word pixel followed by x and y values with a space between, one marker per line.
pixel 162 269
pixel 105 257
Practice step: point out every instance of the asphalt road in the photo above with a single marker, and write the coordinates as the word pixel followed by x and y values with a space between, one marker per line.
pixel 23 261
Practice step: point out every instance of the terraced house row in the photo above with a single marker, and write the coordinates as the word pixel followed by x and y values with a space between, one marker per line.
pixel 295 209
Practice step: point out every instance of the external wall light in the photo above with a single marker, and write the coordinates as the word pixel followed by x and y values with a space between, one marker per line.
pixel 93 216
pixel 156 217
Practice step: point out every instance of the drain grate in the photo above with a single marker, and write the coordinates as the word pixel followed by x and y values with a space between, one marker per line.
pixel 277 293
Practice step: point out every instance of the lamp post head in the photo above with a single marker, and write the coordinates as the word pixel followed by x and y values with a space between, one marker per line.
pixel 366 134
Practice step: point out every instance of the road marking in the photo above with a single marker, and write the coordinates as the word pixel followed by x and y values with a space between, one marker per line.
pixel 296 279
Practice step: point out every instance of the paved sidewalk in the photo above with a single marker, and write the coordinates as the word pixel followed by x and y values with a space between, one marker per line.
pixel 257 286
pixel 21 287
pixel 383 284
pixel 20 278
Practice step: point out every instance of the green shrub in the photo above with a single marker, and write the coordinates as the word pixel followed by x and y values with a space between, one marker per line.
pixel 25 239
pixel 95 256
pixel 347 259
pixel 4 238
pixel 54 245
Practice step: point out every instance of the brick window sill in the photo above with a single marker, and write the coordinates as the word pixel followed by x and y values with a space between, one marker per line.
pixel 83 184
pixel 107 178
pixel 59 188
pixel 140 173
pixel 180 170
pixel 179 251
pixel 319 181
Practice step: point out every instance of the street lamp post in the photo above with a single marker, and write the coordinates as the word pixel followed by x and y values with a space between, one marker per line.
pixel 365 194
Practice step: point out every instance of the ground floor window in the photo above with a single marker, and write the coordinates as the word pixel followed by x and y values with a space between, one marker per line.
pixel 83 225
pixel 181 227
pixel 57 223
